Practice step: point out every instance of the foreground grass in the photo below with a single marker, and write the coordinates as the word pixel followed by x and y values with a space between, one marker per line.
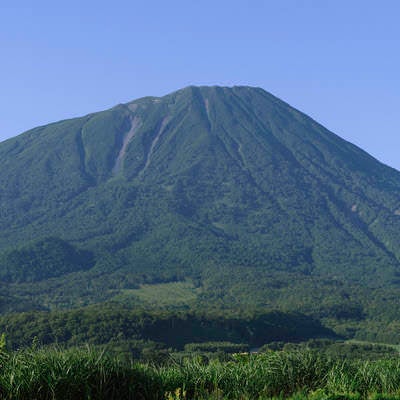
pixel 89 374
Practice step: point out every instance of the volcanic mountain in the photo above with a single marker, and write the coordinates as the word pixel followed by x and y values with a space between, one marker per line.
pixel 231 189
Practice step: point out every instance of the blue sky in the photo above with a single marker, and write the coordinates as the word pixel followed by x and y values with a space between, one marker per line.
pixel 337 61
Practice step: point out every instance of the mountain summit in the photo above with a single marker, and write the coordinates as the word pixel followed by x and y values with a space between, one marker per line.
pixel 229 187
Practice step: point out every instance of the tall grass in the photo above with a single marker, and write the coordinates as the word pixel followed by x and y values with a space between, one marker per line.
pixel 89 374
pixel 254 376
pixel 69 374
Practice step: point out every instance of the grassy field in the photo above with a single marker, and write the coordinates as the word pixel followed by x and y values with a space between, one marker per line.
pixel 89 374
pixel 161 295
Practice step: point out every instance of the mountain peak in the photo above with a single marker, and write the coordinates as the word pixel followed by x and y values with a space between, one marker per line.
pixel 203 180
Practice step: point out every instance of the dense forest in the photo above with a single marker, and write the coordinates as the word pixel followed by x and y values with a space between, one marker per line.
pixel 117 325
pixel 210 201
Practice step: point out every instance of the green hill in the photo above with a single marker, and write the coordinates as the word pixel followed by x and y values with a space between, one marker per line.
pixel 231 189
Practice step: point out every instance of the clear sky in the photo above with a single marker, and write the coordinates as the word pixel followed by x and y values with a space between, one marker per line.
pixel 337 61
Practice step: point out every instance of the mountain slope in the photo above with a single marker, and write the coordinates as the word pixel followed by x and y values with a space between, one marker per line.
pixel 229 187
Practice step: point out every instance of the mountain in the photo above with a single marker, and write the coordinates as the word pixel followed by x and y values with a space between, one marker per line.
pixel 230 189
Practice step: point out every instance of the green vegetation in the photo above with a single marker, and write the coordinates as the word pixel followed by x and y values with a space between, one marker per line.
pixel 230 189
pixel 41 260
pixel 129 328
pixel 172 294
pixel 345 350
pixel 90 374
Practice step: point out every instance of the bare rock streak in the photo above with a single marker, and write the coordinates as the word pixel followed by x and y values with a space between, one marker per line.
pixel 128 137
pixel 153 144
pixel 207 107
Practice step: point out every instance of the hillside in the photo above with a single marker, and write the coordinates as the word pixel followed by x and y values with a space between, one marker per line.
pixel 231 190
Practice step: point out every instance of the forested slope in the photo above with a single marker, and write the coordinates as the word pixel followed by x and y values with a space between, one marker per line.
pixel 230 188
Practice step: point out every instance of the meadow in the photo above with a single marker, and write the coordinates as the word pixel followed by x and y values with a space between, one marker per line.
pixel 87 373
pixel 171 294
